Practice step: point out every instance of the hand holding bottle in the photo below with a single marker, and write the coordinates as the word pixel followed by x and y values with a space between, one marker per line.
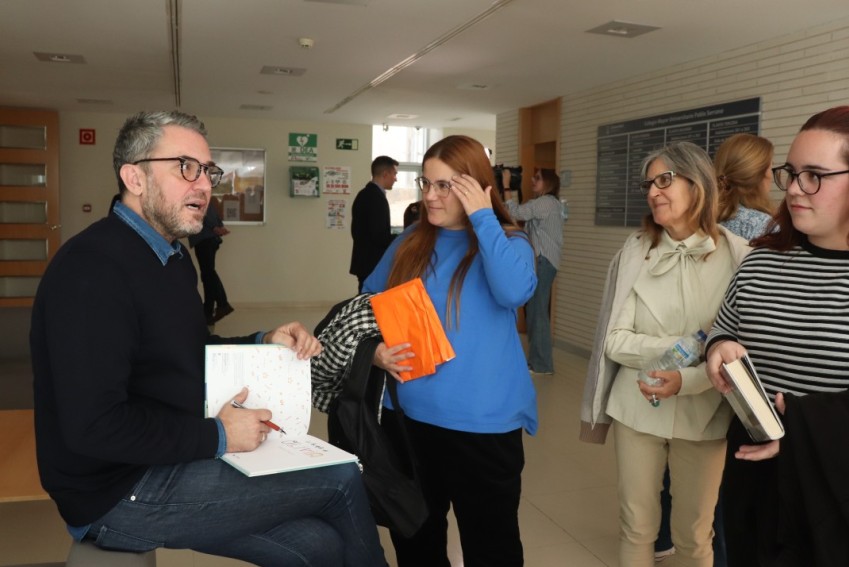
pixel 685 352
pixel 667 384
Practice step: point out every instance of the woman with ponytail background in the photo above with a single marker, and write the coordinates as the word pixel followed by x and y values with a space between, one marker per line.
pixel 743 170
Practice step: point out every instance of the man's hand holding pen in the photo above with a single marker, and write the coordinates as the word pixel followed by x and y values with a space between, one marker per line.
pixel 268 422
pixel 245 428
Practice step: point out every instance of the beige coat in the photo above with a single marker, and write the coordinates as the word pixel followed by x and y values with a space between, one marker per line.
pixel 698 411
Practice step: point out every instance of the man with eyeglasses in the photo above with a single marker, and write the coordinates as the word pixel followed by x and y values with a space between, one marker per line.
pixel 117 341
pixel 371 226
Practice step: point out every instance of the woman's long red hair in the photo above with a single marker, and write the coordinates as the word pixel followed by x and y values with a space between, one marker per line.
pixel 415 256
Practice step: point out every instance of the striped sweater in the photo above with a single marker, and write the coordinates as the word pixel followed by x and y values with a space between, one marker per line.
pixel 790 310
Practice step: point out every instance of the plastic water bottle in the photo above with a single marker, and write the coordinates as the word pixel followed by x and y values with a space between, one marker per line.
pixel 682 354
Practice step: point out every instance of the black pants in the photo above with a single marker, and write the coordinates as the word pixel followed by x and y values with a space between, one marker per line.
pixel 750 505
pixel 480 475
pixel 213 290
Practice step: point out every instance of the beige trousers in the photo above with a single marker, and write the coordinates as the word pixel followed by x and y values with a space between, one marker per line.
pixel 695 471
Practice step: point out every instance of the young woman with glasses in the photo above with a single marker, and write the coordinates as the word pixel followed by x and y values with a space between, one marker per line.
pixel 665 283
pixel 788 308
pixel 466 420
pixel 543 217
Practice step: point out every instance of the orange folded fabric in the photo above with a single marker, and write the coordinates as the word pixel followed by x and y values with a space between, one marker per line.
pixel 405 314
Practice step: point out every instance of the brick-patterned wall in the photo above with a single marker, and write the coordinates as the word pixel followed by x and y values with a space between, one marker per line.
pixel 794 75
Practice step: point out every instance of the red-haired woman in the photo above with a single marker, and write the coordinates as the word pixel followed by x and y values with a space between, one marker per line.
pixel 466 420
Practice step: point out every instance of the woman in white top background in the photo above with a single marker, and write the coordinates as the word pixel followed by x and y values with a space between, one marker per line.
pixel 543 218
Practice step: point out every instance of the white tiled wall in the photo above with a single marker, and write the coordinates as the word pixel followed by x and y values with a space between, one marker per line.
pixel 794 75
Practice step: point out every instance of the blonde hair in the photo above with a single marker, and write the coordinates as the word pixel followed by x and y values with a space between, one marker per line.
pixel 740 164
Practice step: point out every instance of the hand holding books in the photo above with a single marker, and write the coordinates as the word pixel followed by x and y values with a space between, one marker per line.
pixel 738 381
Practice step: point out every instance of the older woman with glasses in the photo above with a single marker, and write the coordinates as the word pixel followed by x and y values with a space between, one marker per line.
pixel 465 421
pixel 543 217
pixel 788 308
pixel 665 283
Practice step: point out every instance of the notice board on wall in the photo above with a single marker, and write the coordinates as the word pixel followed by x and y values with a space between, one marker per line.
pixel 623 146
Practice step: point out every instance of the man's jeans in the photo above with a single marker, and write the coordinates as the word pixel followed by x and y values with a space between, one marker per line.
pixel 316 517
pixel 540 357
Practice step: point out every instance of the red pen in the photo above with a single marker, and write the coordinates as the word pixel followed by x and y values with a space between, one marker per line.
pixel 269 423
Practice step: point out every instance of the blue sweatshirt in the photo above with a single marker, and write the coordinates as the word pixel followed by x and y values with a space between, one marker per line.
pixel 486 388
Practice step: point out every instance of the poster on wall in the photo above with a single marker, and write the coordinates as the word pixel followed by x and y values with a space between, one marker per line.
pixel 303 181
pixel 241 191
pixel 230 210
pixel 303 147
pixel 623 146
pixel 336 209
pixel 336 180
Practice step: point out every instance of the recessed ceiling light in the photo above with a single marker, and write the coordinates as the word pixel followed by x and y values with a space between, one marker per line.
pixel 282 71
pixel 403 116
pixel 94 101
pixel 58 57
pixel 622 29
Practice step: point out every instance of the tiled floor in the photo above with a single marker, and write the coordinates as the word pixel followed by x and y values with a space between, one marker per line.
pixel 568 512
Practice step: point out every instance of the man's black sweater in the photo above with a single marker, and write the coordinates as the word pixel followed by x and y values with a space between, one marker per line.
pixel 117 343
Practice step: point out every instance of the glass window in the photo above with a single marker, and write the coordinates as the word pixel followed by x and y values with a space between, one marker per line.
pixel 25 137
pixel 407 145
pixel 18 286
pixel 23 174
pixel 23 250
pixel 24 212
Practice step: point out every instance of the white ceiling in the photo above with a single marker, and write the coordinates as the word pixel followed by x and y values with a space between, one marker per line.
pixel 524 51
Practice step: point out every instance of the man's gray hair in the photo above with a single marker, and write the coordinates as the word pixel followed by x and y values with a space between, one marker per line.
pixel 141 132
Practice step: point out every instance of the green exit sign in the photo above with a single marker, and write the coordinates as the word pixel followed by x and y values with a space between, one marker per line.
pixel 347 144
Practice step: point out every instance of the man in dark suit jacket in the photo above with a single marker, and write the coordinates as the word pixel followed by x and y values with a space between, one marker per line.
pixel 370 225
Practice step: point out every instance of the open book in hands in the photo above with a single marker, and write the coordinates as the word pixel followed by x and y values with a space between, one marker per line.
pixel 750 402
pixel 279 382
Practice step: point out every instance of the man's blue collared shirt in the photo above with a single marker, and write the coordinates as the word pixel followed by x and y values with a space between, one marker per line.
pixel 161 247
pixel 164 250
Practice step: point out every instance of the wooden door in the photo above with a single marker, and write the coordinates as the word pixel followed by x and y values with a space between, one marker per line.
pixel 29 201
pixel 539 147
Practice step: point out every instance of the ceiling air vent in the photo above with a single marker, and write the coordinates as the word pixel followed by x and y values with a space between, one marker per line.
pixel 473 87
pixel 58 57
pixel 622 29
pixel 282 71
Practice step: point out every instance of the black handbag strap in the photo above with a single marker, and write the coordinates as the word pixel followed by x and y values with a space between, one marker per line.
pixel 391 386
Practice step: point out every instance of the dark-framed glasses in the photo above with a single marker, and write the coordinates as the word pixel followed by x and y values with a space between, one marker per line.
pixel 443 188
pixel 190 168
pixel 808 181
pixel 661 181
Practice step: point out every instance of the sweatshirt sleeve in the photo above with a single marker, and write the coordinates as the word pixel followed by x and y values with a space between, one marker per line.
pixel 508 261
